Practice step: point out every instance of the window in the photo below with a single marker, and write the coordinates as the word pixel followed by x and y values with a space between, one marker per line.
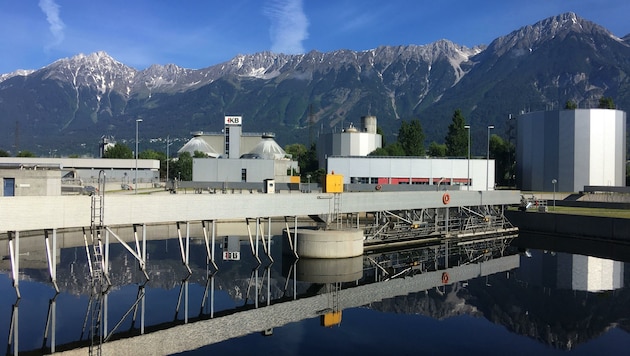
pixel 243 175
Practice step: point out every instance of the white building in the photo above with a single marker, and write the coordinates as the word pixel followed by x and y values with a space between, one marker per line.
pixel 350 141
pixel 243 159
pixel 576 148
pixel 15 172
pixel 414 170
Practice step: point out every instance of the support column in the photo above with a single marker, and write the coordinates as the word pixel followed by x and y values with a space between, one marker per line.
pixel 289 237
pixel 14 255
pixel 253 246
pixel 13 342
pixel 184 250
pixel 269 239
pixel 209 244
pixel 106 261
pixel 51 256
pixel 295 241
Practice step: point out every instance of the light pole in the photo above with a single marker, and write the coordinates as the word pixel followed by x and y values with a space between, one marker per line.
pixel 554 181
pixel 168 157
pixel 308 176
pixel 490 127
pixel 467 127
pixel 136 180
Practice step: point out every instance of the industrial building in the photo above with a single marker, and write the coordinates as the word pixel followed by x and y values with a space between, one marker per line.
pixel 567 150
pixel 238 157
pixel 346 153
pixel 351 141
pixel 37 176
pixel 478 173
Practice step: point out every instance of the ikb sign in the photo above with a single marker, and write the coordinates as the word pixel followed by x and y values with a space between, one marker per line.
pixel 234 120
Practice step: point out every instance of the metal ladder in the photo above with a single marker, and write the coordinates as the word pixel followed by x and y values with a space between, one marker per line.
pixel 97 277
pixel 96 314
pixel 337 210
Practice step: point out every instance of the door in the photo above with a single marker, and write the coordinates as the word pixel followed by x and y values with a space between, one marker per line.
pixel 9 187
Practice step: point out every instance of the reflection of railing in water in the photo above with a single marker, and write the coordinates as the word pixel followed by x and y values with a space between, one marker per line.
pixel 411 261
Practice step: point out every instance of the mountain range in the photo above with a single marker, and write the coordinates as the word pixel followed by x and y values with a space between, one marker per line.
pixel 68 105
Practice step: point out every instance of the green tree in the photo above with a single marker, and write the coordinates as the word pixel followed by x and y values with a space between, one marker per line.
pixel 25 154
pixel 570 105
pixel 151 154
pixel 4 153
pixel 411 138
pixel 306 158
pixel 503 153
pixel 395 149
pixel 296 150
pixel 457 138
pixel 606 103
pixel 181 167
pixel 437 150
pixel 160 156
pixel 118 151
pixel 379 131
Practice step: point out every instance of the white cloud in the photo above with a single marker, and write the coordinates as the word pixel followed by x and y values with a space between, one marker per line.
pixel 288 25
pixel 51 9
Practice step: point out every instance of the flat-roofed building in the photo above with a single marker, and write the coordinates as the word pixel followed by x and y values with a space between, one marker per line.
pixel 414 170
pixel 73 173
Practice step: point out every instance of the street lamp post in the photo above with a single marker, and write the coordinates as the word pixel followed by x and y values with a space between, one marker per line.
pixel 467 127
pixel 490 127
pixel 136 181
pixel 168 157
pixel 554 181
pixel 308 176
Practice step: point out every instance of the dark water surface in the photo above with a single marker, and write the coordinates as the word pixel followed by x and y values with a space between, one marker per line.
pixel 541 295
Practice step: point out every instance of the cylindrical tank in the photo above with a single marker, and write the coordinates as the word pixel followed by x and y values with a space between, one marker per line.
pixel 314 243
pixel 369 124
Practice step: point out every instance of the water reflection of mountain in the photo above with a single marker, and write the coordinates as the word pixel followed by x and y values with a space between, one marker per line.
pixel 434 303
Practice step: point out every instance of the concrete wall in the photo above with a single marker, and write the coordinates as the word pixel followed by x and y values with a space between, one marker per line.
pixel 33 213
pixel 572 225
pixel 33 182
pixel 87 169
pixel 230 170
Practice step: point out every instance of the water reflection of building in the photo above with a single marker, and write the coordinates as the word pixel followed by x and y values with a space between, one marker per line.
pixel 569 271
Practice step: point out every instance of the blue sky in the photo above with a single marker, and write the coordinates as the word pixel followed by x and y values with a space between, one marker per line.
pixel 201 33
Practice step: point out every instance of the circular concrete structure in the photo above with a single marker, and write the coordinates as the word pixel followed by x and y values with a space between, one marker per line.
pixel 329 243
